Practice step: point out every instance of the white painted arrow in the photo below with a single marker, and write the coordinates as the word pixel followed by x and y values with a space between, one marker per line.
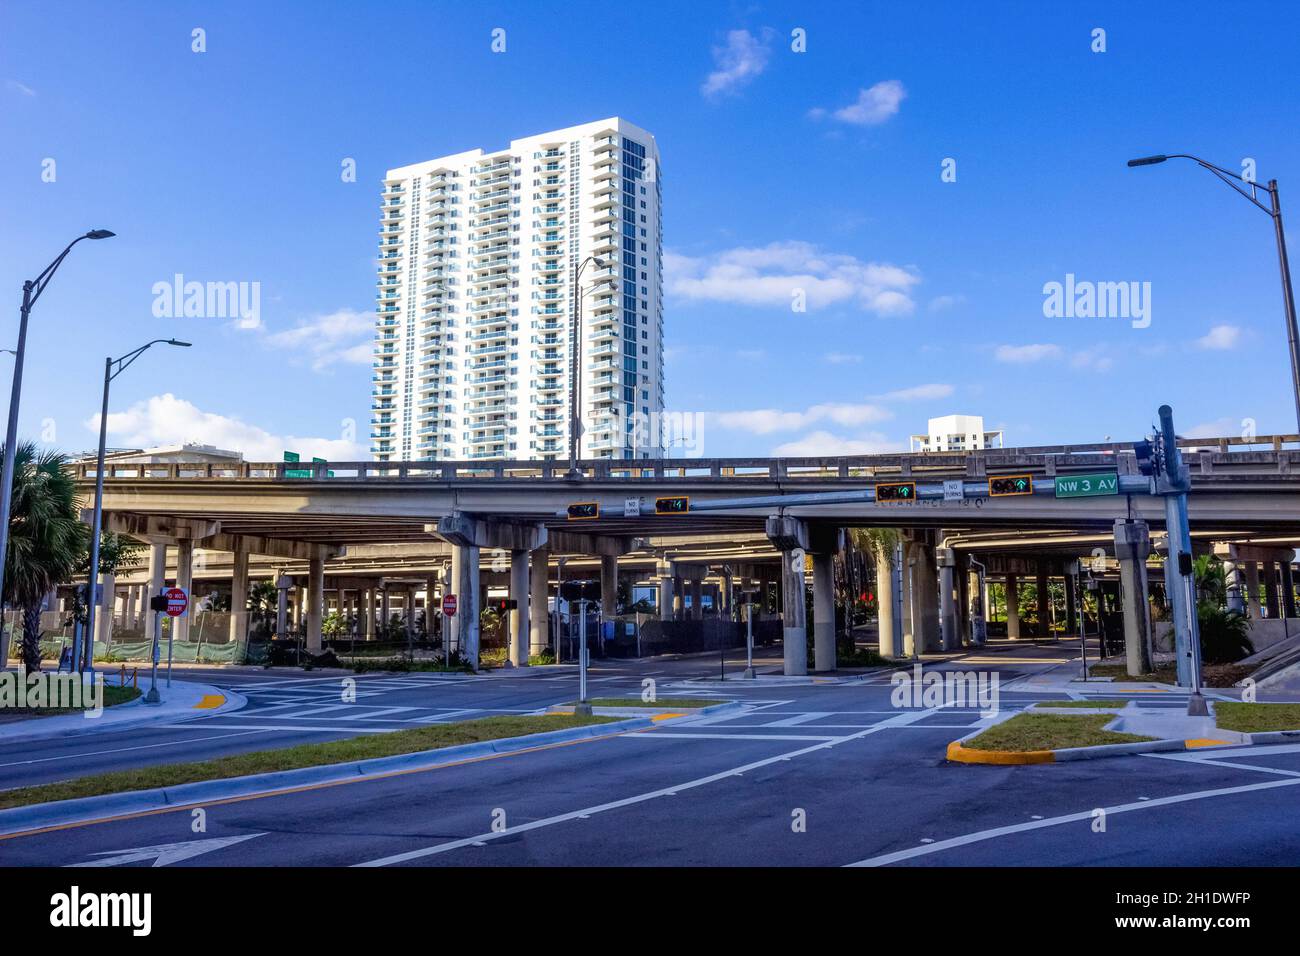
pixel 166 853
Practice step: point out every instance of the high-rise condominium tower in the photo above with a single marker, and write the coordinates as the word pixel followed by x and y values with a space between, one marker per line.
pixel 476 298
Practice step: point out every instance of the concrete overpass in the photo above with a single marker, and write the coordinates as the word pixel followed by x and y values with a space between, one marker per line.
pixel 431 520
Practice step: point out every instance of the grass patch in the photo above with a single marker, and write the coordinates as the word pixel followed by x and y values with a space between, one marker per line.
pixel 432 737
pixel 1050 732
pixel 661 702
pixel 1212 675
pixel 1256 718
pixel 1094 704
pixel 404 666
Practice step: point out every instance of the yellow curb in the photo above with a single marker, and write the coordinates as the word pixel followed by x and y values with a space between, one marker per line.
pixel 959 754
pixel 1204 742
pixel 665 716
pixel 210 702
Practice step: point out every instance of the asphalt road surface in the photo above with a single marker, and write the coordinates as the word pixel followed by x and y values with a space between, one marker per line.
pixel 815 774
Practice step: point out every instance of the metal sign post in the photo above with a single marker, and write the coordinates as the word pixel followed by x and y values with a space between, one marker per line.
pixel 582 708
pixel 749 640
pixel 157 604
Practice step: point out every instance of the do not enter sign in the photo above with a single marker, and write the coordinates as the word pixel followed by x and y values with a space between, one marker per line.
pixel 449 605
pixel 177 601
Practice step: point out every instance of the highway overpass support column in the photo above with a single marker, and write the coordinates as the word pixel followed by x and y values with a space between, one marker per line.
pixel 667 582
pixel 790 537
pixel 467 605
pixel 239 596
pixel 315 603
pixel 185 581
pixel 906 630
pixel 538 613
pixel 520 633
pixel 1132 545
pixel 1013 607
pixel 1270 589
pixel 950 636
pixel 451 624
pixel 1232 578
pixel 608 586
pixel 1252 590
pixel 1071 618
pixel 157 572
pixel 1288 590
pixel 925 590
pixel 1044 603
pixel 885 623
pixel 823 611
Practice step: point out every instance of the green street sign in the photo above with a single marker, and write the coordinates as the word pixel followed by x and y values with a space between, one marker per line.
pixel 292 456
pixel 1087 486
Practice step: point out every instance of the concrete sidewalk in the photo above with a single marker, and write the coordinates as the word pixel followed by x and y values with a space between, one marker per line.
pixel 184 700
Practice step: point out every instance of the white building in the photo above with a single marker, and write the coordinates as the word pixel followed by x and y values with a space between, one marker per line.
pixel 475 298
pixel 956 433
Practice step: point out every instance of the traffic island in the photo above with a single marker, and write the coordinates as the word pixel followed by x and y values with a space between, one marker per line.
pixel 659 709
pixel 335 763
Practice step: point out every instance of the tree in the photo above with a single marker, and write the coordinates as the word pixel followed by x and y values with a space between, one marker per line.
pixel 47 541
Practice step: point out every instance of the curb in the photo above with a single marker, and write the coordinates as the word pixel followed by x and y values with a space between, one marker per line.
pixel 82 810
pixel 659 713
pixel 147 715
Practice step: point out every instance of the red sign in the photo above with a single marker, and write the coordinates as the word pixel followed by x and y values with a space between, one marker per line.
pixel 177 601
pixel 449 605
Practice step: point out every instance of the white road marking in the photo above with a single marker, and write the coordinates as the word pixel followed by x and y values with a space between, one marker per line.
pixel 665 735
pixel 633 800
pixel 799 719
pixel 1085 815
pixel 122 750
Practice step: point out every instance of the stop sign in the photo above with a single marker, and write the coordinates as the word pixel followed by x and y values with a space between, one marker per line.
pixel 177 601
pixel 449 605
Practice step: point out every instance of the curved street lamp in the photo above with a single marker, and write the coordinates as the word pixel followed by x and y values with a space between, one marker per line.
pixel 32 290
pixel 85 655
pixel 1274 210
pixel 575 364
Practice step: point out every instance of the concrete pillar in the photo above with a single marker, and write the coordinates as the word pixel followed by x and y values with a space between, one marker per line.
pixel 925 603
pixel 823 610
pixel 409 612
pixel 1013 607
pixel 908 599
pixel 368 613
pixel 430 606
pixel 239 597
pixel 451 625
pixel 977 604
pixel 315 604
pixel 1044 604
pixel 467 605
pixel 1132 545
pixel 608 586
pixel 1234 582
pixel 1071 618
pixel 885 623
pixel 1288 590
pixel 104 618
pixel 793 617
pixel 667 590
pixel 679 597
pixel 519 631
pixel 128 622
pixel 950 637
pixel 282 584
pixel 385 605
pixel 538 612
pixel 185 581
pixel 1270 589
pixel 157 575
pixel 1252 590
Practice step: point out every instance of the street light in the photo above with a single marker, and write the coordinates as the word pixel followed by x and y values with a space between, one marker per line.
pixel 575 363
pixel 112 369
pixel 32 290
pixel 1274 210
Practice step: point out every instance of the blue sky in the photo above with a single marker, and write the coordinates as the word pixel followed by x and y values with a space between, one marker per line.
pixel 818 170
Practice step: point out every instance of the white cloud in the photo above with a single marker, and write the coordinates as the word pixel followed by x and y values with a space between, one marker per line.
pixel 771 275
pixel 842 358
pixel 763 421
pixel 942 303
pixel 342 336
pixel 1220 338
pixel 1096 359
pixel 823 443
pixel 1024 354
pixel 1218 428
pixel 743 58
pixel 22 88
pixel 932 390
pixel 166 419
pixel 873 106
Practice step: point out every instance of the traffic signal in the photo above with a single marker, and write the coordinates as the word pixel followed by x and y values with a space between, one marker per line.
pixel 676 505
pixel 584 510
pixel 1007 485
pixel 501 605
pixel 1146 457
pixel 896 491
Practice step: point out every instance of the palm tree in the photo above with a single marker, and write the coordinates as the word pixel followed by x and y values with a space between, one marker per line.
pixel 47 541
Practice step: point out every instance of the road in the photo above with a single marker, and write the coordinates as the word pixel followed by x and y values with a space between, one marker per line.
pixel 812 774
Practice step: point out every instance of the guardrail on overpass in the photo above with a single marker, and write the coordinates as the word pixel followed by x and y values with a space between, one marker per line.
pixel 1262 454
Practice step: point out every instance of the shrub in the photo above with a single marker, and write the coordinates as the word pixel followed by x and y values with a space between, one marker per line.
pixel 1224 634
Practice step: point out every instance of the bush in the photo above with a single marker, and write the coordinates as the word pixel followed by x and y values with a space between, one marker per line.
pixel 1224 634
pixel 545 657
